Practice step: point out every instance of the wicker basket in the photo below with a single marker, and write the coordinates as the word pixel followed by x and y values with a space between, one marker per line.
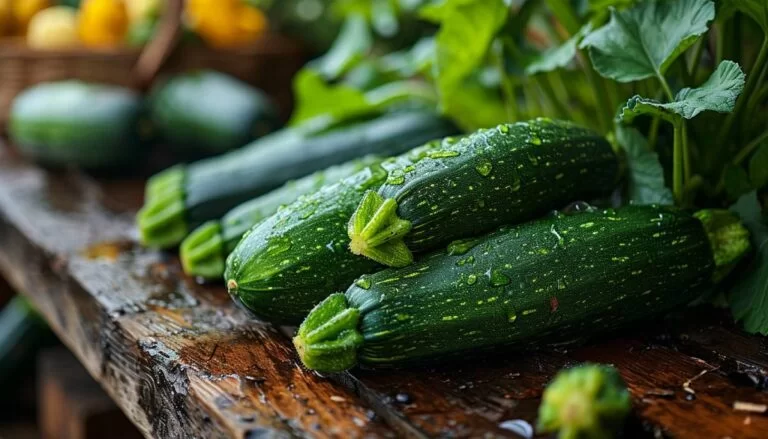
pixel 269 63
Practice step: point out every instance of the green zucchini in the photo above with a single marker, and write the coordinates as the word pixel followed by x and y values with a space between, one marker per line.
pixel 76 123
pixel 184 197
pixel 205 250
pixel 502 175
pixel 287 263
pixel 207 112
pixel 558 279
pixel 586 401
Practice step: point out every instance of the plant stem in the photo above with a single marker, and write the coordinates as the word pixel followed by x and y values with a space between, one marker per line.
pixel 759 94
pixel 665 86
pixel 507 87
pixel 677 164
pixel 752 81
pixel 749 148
pixel 565 14
pixel 686 153
pixel 546 87
pixel 698 51
pixel 653 133
pixel 603 106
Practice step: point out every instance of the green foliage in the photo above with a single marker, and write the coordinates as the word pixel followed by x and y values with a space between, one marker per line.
pixel 467 29
pixel 642 42
pixel 749 298
pixel 758 167
pixel 558 57
pixel 352 44
pixel 719 94
pixel 315 98
pixel 645 174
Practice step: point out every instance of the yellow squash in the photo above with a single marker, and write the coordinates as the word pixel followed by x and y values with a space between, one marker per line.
pixel 102 23
pixel 225 23
pixel 53 28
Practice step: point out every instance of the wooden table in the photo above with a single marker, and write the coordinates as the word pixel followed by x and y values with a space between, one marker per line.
pixel 182 361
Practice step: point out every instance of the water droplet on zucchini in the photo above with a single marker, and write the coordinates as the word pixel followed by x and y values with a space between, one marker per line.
pixel 461 246
pixel 364 283
pixel 471 279
pixel 278 245
pixel 498 278
pixel 442 154
pixel 484 168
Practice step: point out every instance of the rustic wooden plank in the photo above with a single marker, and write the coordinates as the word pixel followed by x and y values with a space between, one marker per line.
pixel 491 395
pixel 71 405
pixel 179 359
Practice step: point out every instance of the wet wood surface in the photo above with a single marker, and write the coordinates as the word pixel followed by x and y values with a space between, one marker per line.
pixel 182 361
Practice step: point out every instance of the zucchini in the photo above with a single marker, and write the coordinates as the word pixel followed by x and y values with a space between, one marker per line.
pixel 184 197
pixel 557 279
pixel 287 263
pixel 76 123
pixel 502 175
pixel 586 401
pixel 188 117
pixel 205 250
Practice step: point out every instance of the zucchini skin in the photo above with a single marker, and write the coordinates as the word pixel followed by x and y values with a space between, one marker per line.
pixel 209 188
pixel 92 126
pixel 204 251
pixel 503 175
pixel 285 264
pixel 191 122
pixel 557 279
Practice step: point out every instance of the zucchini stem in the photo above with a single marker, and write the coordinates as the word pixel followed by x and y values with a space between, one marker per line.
pixel 728 238
pixel 328 339
pixel 376 232
pixel 202 252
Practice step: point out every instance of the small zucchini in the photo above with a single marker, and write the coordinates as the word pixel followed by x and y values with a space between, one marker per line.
pixel 205 250
pixel 287 263
pixel 497 176
pixel 587 401
pixel 208 112
pixel 183 197
pixel 66 123
pixel 560 278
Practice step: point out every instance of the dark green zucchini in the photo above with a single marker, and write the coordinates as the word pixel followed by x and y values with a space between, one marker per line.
pixel 558 279
pixel 184 197
pixel 205 250
pixel 69 123
pixel 208 112
pixel 497 176
pixel 287 263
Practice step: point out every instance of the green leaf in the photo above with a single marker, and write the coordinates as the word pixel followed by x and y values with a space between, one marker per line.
pixel 474 107
pixel 758 167
pixel 467 30
pixel 756 9
pixel 718 93
pixel 314 98
pixel 643 41
pixel 749 297
pixel 645 173
pixel 558 57
pixel 736 181
pixel 352 44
